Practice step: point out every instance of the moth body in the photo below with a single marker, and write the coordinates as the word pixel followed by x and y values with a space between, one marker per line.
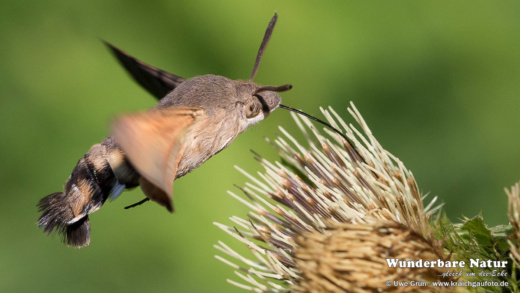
pixel 194 120
pixel 106 170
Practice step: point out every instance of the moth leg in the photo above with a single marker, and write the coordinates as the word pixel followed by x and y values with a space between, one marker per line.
pixel 137 203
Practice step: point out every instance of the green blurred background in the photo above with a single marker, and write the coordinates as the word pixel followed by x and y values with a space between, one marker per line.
pixel 438 83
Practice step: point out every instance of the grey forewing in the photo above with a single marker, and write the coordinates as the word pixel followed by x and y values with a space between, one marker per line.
pixel 156 81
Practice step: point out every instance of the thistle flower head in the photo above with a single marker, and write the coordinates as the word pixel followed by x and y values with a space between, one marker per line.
pixel 352 205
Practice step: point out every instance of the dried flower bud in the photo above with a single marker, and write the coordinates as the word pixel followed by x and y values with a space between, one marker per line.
pixel 514 218
pixel 353 258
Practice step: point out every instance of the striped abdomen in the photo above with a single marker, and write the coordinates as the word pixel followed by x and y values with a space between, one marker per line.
pixel 102 172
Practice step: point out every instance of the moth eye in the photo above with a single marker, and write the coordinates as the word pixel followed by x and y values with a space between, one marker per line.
pixel 252 110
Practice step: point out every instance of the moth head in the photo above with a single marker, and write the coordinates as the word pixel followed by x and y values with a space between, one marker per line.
pixel 257 102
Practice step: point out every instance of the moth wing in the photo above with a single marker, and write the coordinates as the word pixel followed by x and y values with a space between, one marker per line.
pixel 156 81
pixel 153 142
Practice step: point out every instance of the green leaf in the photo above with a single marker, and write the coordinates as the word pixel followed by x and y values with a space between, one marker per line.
pixel 473 239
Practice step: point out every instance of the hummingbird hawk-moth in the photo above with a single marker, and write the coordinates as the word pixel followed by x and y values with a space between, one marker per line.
pixel 195 119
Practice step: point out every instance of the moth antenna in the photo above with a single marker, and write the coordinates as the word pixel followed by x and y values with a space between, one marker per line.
pixel 359 157
pixel 265 41
pixel 271 88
